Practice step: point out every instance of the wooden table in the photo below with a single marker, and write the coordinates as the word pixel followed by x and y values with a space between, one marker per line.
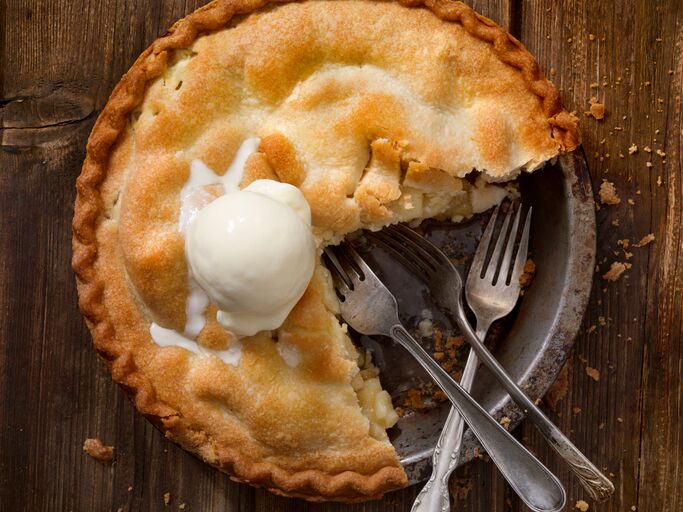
pixel 59 62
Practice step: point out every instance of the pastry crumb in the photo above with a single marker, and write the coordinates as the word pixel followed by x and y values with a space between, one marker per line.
pixel 426 327
pixel 98 450
pixel 593 373
pixel 596 109
pixel 608 193
pixel 582 506
pixel 633 149
pixel 167 498
pixel 182 506
pixel 647 239
pixel 527 274
pixel 505 422
pixel 615 270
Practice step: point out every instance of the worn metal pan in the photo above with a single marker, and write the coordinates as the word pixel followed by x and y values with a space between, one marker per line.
pixel 534 341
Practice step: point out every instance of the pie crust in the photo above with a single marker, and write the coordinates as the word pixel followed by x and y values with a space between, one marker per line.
pixel 356 103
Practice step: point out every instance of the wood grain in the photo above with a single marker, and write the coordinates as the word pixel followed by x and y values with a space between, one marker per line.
pixel 59 61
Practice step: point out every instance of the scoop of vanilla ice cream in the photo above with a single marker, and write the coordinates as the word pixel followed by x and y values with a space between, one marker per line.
pixel 253 253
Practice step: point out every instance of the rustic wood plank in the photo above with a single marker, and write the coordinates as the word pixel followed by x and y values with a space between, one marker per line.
pixel 638 355
pixel 58 63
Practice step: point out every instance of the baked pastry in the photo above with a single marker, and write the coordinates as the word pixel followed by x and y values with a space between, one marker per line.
pixel 378 113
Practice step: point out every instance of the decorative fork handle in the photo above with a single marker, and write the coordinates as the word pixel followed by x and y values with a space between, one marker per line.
pixel 530 479
pixel 596 484
pixel 435 496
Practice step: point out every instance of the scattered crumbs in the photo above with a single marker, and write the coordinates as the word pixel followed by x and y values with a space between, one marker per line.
pixel 167 498
pixel 660 153
pixel 615 222
pixel 130 488
pixel 593 373
pixel 620 420
pixel 591 37
pixel 608 194
pixel 633 149
pixel 120 509
pixel 582 506
pixel 98 450
pixel 439 356
pixel 647 239
pixel 648 164
pixel 624 243
pixel 505 422
pixel 602 321
pixel 596 109
pixel 594 85
pixel 527 274
pixel 659 181
pixel 576 410
pixel 630 201
pixel 591 329
pixel 601 425
pixel 182 506
pixel 634 508
pixel 647 149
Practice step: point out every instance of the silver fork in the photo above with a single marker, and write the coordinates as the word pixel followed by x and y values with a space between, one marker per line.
pixel 435 495
pixel 445 284
pixel 370 308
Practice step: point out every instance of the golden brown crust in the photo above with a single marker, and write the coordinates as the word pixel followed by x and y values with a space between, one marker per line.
pixel 91 209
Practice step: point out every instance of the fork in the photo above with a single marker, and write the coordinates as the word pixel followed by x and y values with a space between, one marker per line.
pixel 434 495
pixel 370 308
pixel 445 284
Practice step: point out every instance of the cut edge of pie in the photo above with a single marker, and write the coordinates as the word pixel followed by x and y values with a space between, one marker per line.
pixel 90 209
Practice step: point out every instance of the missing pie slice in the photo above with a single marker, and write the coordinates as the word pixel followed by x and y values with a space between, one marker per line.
pixel 378 112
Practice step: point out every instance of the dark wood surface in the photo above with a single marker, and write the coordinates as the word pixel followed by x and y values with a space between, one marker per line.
pixel 59 60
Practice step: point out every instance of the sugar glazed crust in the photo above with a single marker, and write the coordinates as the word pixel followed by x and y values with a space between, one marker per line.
pixel 294 429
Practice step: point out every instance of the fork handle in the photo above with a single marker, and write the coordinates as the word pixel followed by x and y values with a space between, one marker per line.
pixel 530 479
pixel 593 480
pixel 435 495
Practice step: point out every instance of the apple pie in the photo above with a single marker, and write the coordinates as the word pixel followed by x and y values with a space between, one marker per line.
pixel 374 113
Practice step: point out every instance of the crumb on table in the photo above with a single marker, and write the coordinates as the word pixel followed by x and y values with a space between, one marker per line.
pixel 647 239
pixel 615 270
pixel 582 505
pixel 593 373
pixel 608 193
pixel 98 450
pixel 596 109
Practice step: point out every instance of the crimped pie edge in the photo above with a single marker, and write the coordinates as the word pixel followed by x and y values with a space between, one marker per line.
pixel 127 95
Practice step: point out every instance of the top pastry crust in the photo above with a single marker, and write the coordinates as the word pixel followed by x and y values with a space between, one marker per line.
pixel 377 112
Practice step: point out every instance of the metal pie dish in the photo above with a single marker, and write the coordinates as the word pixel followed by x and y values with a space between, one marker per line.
pixel 532 343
